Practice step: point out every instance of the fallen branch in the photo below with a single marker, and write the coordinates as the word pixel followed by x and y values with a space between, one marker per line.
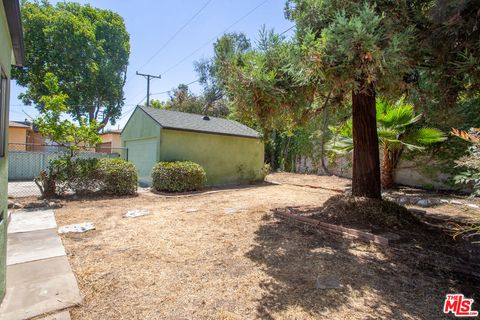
pixel 347 232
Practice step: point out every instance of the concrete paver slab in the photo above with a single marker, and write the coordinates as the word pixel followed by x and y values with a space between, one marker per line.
pixel 19 189
pixel 39 287
pixel 34 245
pixel 25 221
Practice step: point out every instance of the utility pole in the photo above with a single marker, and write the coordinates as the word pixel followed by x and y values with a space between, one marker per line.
pixel 148 76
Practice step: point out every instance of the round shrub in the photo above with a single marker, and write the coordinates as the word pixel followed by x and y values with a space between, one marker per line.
pixel 117 176
pixel 78 175
pixel 178 176
pixel 91 175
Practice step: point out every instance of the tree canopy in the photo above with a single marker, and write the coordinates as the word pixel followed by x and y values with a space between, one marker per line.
pixel 86 48
pixel 230 46
pixel 53 124
pixel 185 101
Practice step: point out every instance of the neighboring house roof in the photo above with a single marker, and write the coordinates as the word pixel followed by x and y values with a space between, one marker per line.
pixel 15 124
pixel 12 11
pixel 196 122
pixel 116 131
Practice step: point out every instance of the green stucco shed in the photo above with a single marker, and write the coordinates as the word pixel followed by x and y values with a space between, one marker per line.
pixel 230 152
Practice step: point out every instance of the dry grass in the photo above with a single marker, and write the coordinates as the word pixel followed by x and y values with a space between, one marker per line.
pixel 189 259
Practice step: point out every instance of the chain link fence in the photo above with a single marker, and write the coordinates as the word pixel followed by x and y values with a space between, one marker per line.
pixel 26 161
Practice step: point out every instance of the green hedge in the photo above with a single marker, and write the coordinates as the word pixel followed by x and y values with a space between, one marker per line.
pixel 118 177
pixel 109 176
pixel 178 176
pixel 77 175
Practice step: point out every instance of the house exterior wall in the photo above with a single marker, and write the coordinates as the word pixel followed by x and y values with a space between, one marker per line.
pixel 227 160
pixel 36 141
pixel 6 57
pixel 114 138
pixel 18 137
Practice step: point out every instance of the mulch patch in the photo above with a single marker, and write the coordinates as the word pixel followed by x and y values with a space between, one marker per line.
pixel 424 245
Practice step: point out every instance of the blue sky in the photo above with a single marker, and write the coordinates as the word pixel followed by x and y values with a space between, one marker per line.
pixel 151 23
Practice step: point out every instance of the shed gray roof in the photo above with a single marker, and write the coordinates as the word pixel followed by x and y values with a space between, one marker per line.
pixel 195 122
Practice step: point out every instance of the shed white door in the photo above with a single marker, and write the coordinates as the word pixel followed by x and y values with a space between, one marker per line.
pixel 143 154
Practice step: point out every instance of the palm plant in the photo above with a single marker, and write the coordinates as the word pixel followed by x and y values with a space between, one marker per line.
pixel 395 133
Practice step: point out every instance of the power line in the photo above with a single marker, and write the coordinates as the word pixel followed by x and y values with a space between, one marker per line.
pixel 140 102
pixel 71 105
pixel 158 93
pixel 131 109
pixel 16 111
pixel 175 34
pixel 215 37
pixel 126 113
pixel 281 34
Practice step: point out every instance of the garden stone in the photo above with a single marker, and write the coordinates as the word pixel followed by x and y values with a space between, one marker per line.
pixel 135 213
pixel 54 205
pixel 471 205
pixel 428 202
pixel 444 201
pixel 77 228
pixel 329 282
pixel 456 202
pixel 408 200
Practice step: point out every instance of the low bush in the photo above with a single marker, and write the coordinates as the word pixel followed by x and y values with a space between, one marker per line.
pixel 118 177
pixel 78 175
pixel 178 176
pixel 266 169
pixel 82 176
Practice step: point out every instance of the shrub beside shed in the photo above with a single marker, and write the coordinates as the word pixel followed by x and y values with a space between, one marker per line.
pixel 230 152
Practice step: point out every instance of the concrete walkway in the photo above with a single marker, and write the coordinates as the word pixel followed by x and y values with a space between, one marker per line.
pixel 20 189
pixel 39 277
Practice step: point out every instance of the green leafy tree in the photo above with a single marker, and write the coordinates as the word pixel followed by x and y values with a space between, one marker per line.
pixel 357 50
pixel 450 49
pixel 85 47
pixel 184 101
pixel 263 91
pixel 55 124
pixel 471 176
pixel 396 133
pixel 156 104
pixel 228 47
pixel 471 161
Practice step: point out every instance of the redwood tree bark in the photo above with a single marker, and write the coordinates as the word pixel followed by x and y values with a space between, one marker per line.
pixel 366 161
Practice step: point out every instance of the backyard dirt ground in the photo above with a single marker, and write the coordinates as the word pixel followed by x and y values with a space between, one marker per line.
pixel 223 255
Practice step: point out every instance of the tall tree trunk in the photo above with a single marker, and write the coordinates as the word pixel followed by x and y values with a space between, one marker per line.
pixel 366 161
pixel 322 143
pixel 273 163
pixel 286 160
pixel 387 169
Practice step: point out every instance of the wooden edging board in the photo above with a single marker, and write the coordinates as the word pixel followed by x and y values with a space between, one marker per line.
pixel 348 232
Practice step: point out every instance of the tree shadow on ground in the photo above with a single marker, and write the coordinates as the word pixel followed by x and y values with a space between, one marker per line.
pixel 376 282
